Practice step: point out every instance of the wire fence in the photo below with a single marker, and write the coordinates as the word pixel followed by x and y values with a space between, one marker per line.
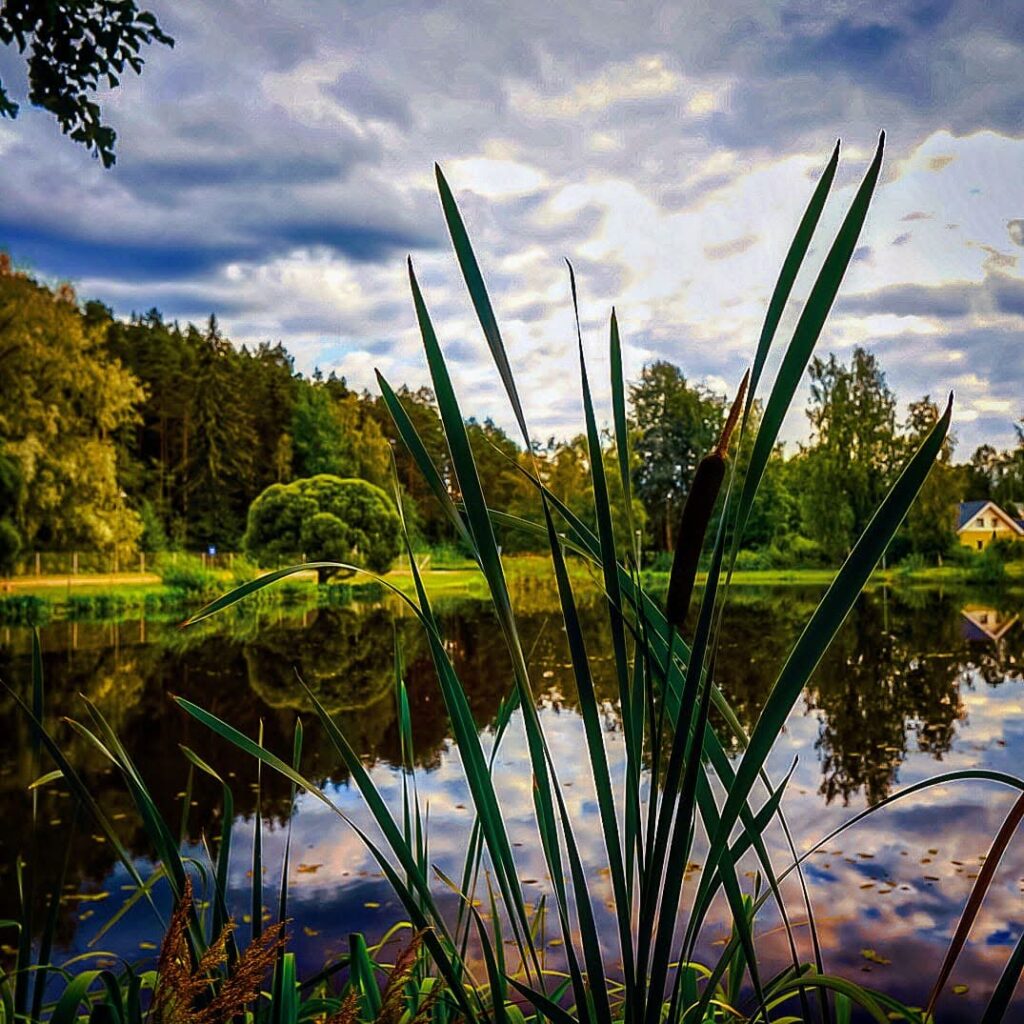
pixel 125 562
pixel 113 562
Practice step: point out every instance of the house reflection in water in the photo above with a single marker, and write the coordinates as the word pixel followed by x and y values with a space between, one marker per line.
pixel 982 623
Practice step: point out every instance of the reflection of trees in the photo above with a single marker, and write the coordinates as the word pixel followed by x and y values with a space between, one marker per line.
pixel 890 683
pixel 345 657
pixel 887 675
pixel 896 672
pixel 758 631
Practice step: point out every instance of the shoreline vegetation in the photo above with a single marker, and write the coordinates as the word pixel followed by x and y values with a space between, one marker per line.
pixel 35 600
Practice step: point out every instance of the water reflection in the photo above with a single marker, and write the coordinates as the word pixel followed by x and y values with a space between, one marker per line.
pixel 896 685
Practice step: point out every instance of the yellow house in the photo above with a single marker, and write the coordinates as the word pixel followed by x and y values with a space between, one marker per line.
pixel 981 522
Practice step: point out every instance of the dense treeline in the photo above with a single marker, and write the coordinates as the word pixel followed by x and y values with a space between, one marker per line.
pixel 153 435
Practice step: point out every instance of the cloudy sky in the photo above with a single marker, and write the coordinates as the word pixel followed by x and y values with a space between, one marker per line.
pixel 277 166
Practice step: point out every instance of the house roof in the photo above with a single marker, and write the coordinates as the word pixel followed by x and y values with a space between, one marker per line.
pixel 969 509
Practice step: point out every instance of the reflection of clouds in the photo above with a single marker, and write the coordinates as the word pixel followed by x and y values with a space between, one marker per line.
pixel 895 883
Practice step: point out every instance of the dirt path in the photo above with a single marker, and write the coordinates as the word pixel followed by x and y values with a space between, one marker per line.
pixel 89 580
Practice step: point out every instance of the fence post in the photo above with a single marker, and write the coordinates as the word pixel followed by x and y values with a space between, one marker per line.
pixel 39 564
pixel 74 564
pixel 142 561
pixel 115 559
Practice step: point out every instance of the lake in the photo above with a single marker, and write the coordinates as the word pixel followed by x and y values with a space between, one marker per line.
pixel 919 681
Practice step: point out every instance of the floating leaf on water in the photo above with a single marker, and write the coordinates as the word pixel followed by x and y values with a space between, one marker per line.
pixel 147 945
pixel 306 930
pixel 309 869
pixel 875 957
pixel 960 990
pixel 371 905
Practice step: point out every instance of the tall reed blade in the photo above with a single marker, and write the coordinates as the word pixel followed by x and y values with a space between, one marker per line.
pixel 805 335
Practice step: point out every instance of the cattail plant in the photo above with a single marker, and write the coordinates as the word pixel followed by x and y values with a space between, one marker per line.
pixel 696 516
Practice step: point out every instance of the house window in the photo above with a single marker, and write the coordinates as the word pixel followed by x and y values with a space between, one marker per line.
pixel 980 523
pixel 981 544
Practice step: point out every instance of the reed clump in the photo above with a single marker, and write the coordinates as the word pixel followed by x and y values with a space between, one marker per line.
pixel 680 787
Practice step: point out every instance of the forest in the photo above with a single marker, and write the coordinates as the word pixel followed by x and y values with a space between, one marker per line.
pixel 145 434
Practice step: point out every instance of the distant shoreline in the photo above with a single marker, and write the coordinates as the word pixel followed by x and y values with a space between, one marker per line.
pixel 31 600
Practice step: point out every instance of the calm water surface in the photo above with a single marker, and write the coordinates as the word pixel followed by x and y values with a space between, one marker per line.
pixel 918 682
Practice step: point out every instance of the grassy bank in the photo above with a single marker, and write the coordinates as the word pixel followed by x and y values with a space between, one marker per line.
pixel 36 600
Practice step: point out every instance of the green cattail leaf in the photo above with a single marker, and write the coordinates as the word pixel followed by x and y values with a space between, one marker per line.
pixel 805 335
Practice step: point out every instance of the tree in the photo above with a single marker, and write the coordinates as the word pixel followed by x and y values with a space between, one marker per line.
pixel 854 450
pixel 774 514
pixel 496 455
pixel 10 547
pixel 72 46
pixel 678 424
pixel 930 527
pixel 64 401
pixel 324 518
pixel 319 444
pixel 421 408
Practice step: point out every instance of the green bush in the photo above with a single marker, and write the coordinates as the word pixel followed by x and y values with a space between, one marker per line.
pixel 748 560
pixel 914 562
pixel 153 536
pixel 961 555
pixel 1009 550
pixel 243 570
pixel 989 567
pixel 187 574
pixel 324 518
pixel 658 561
pixel 24 610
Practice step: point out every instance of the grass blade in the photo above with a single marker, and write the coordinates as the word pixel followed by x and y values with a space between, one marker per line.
pixel 825 622
pixel 481 301
pixel 808 328
pixel 978 892
pixel 790 268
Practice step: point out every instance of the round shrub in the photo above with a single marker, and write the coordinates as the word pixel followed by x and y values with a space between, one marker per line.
pixel 327 519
